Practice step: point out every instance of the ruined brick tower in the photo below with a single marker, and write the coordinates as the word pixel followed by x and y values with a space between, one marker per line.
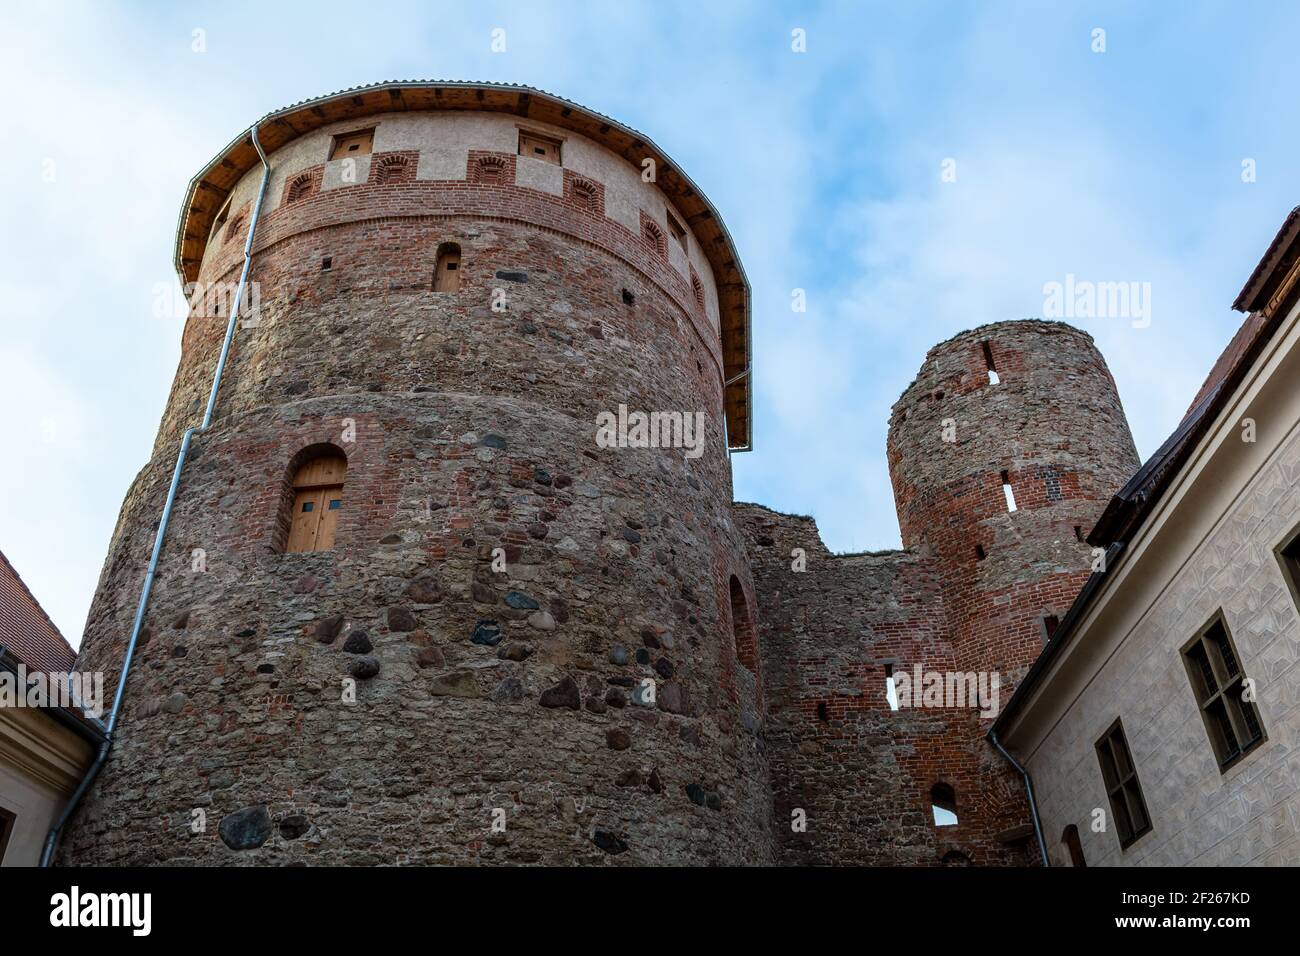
pixel 1049 439
pixel 977 589
pixel 453 281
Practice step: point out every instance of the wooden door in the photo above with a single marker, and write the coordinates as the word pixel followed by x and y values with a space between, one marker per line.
pixel 317 501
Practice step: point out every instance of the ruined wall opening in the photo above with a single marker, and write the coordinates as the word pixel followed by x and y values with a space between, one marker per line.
pixel 742 628
pixel 943 804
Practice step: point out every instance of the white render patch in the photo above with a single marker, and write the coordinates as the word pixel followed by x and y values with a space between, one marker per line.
pixel 443 164
pixel 539 174
pixel 345 172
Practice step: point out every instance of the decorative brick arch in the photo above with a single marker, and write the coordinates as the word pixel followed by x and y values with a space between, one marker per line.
pixel 587 195
pixel 302 186
pixel 234 228
pixel 653 236
pixel 489 168
pixel 394 168
pixel 697 287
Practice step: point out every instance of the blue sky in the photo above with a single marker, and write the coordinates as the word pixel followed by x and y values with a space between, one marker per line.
pixel 1117 166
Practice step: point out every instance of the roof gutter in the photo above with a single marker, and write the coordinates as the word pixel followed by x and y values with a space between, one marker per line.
pixel 47 855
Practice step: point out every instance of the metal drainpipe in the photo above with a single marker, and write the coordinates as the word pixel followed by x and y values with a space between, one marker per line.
pixel 1029 789
pixel 47 855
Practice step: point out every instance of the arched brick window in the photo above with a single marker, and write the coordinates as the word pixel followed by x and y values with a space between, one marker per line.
pixel 585 195
pixel 234 229
pixel 490 169
pixel 446 274
pixel 315 499
pixel 742 628
pixel 943 804
pixel 654 238
pixel 955 858
pixel 395 169
pixel 1070 840
pixel 302 186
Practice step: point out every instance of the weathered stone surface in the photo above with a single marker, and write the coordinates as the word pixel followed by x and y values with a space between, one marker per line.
pixel 486 633
pixel 294 826
pixel 521 601
pixel 424 590
pixel 541 620
pixel 456 684
pixel 174 703
pixel 430 657
pixel 563 694
pixel 401 620
pixel 327 629
pixel 358 642
pixel 515 651
pixel 245 829
pixel 509 691
pixel 611 843
pixel 616 738
pixel 364 667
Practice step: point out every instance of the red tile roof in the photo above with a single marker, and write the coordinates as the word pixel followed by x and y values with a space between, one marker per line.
pixel 26 631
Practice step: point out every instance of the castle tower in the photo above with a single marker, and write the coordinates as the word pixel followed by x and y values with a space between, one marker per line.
pixel 409 608
pixel 1003 453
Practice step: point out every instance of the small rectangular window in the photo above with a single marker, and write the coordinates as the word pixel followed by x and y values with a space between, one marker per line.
pixel 1222 690
pixel 678 231
pixel 1050 623
pixel 539 147
pixel 1128 807
pixel 360 143
pixel 1008 493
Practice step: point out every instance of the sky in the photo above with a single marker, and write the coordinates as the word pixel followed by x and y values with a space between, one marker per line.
pixel 917 169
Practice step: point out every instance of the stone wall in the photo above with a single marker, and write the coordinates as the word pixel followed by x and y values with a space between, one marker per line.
pixel 860 772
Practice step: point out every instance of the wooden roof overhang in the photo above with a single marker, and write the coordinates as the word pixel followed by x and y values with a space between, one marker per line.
pixel 210 188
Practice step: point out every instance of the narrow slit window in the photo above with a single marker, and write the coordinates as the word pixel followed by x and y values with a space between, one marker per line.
pixel 994 379
pixel 446 274
pixel 979 552
pixel 1074 846
pixel 317 501
pixel 540 147
pixel 943 804
pixel 360 143
pixel 1078 533
pixel 677 229
pixel 1050 623
pixel 1220 685
pixel 1008 493
pixel 1127 805
pixel 891 689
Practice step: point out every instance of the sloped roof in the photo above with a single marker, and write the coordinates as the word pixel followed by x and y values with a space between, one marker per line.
pixel 208 191
pixel 26 631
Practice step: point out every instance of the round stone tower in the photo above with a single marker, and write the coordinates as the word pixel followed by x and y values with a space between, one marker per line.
pixel 415 603
pixel 1016 415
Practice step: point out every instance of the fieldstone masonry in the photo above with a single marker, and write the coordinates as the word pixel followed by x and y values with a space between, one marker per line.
pixel 647 681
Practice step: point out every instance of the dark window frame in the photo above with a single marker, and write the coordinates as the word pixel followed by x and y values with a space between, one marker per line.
pixel 1288 557
pixel 1227 718
pixel 1123 788
pixel 8 823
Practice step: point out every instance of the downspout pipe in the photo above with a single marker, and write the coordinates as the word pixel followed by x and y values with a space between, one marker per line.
pixel 1029 790
pixel 47 855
